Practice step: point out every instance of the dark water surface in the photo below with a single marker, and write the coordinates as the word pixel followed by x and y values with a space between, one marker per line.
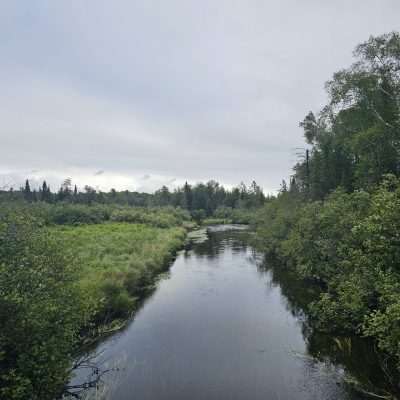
pixel 222 326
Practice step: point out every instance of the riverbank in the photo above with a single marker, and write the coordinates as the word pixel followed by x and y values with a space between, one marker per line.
pixel 347 245
pixel 119 263
pixel 69 284
pixel 227 216
pixel 226 324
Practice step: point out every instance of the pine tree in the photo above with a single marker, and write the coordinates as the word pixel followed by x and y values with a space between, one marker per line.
pixel 44 193
pixel 187 196
pixel 27 191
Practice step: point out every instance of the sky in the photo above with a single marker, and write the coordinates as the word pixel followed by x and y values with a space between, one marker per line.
pixel 139 94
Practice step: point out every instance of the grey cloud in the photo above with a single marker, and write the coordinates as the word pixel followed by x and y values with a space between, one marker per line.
pixel 210 90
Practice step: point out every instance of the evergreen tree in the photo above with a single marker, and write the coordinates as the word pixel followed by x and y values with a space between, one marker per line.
pixel 45 192
pixel 187 196
pixel 27 191
pixel 283 188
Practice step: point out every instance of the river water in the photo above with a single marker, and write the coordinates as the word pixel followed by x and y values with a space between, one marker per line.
pixel 223 325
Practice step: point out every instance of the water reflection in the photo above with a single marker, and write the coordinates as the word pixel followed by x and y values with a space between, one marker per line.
pixel 220 238
pixel 356 355
pixel 226 325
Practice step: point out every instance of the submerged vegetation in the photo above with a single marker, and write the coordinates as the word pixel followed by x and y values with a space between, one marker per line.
pixel 337 223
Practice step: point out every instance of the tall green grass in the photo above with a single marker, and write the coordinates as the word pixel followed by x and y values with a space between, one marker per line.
pixel 118 263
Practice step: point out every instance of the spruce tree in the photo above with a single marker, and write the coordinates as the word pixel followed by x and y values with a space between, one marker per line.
pixel 27 191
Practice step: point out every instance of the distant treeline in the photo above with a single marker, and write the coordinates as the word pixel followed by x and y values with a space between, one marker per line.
pixel 201 200
pixel 337 222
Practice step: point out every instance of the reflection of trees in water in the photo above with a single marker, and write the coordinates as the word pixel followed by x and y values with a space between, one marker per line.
pixel 218 242
pixel 356 355
pixel 297 294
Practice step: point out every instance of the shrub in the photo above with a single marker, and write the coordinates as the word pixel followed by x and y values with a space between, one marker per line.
pixel 350 244
pixel 76 214
pixel 40 310
pixel 159 217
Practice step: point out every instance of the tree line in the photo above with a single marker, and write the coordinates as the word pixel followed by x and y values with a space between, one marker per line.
pixel 201 199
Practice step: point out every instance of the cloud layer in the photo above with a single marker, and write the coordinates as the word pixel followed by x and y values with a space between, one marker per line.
pixel 153 93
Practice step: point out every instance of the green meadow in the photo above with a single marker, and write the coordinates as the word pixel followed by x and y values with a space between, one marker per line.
pixel 118 262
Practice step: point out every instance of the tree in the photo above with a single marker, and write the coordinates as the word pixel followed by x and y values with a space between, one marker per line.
pixel 90 194
pixel 45 193
pixel 309 124
pixel 40 310
pixel 187 197
pixel 27 191
pixel 339 225
pixel 162 196
pixel 65 191
pixel 355 139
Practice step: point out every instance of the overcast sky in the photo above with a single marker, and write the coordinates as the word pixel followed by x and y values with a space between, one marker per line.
pixel 137 94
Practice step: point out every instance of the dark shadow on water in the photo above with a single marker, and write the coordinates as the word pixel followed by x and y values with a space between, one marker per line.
pixel 356 355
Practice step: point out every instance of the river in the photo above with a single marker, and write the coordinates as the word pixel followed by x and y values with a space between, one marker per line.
pixel 223 325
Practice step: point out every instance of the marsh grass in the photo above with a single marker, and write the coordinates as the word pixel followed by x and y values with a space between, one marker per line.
pixel 118 262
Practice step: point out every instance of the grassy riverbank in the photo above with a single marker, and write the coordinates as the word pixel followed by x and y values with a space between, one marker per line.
pixel 118 262
pixel 63 284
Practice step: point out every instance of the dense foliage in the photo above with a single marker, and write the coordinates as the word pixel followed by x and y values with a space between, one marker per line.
pixel 338 224
pixel 67 271
pixel 81 214
pixel 354 140
pixel 40 310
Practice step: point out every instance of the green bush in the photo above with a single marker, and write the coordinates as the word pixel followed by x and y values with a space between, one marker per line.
pixel 76 214
pixel 40 310
pixel 275 220
pixel 350 245
pixel 81 214
pixel 116 302
pixel 229 215
pixel 159 217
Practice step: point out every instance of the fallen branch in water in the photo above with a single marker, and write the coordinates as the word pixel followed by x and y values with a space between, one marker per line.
pixel 94 379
